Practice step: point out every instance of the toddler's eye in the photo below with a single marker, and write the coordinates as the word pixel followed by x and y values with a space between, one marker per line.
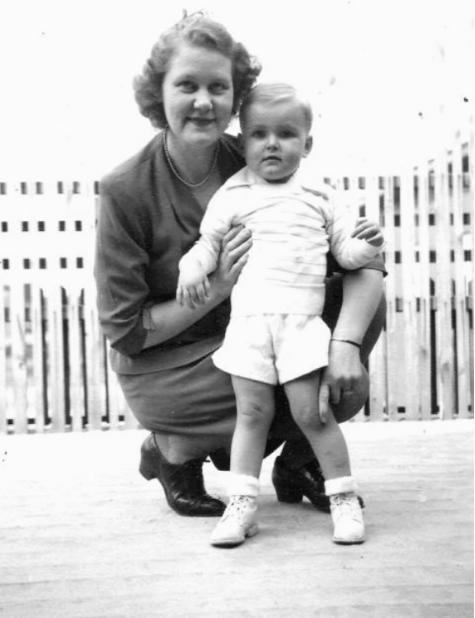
pixel 258 134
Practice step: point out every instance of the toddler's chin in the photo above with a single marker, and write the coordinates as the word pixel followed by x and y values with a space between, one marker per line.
pixel 276 178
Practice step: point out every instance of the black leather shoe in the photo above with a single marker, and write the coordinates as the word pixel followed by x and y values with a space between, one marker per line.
pixel 182 483
pixel 292 485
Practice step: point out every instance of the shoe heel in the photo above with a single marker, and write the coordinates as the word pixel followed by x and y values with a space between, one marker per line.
pixel 285 493
pixel 147 471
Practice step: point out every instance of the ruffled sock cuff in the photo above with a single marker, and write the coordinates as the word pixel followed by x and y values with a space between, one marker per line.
pixel 340 485
pixel 243 485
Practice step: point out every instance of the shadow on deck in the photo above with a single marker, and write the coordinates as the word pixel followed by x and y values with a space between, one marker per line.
pixel 83 535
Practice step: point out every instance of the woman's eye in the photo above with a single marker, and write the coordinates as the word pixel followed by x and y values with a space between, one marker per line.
pixel 186 86
pixel 218 88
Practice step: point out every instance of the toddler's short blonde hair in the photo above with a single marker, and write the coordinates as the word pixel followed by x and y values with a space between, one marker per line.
pixel 272 93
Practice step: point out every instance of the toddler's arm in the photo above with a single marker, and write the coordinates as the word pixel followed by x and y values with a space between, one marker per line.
pixel 352 243
pixel 195 266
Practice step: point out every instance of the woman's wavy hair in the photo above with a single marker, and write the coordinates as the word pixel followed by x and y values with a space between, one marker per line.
pixel 199 30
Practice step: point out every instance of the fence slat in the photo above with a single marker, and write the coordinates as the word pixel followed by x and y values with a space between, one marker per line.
pixel 37 381
pixel 3 363
pixel 445 356
pixel 56 365
pixel 464 368
pixel 424 293
pixel 95 364
pixel 393 337
pixel 409 295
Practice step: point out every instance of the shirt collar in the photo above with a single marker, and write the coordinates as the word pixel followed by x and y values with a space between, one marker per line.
pixel 247 178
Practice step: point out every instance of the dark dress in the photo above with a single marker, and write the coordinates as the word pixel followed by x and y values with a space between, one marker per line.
pixel 147 221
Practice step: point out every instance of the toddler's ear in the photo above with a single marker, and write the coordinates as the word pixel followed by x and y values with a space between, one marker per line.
pixel 308 145
pixel 240 140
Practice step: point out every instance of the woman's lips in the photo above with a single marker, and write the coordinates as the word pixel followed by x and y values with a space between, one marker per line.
pixel 201 122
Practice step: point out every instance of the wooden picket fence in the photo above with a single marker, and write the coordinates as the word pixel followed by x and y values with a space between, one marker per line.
pixel 54 369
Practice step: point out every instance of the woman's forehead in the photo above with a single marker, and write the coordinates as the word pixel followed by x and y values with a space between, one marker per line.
pixel 197 60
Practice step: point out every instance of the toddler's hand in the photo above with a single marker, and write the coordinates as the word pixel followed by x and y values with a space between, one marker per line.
pixel 193 286
pixel 369 231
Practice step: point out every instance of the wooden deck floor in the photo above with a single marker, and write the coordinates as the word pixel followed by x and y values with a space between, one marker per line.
pixel 83 535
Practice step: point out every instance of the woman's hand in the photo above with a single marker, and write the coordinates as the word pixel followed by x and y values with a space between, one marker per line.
pixel 369 231
pixel 232 258
pixel 344 377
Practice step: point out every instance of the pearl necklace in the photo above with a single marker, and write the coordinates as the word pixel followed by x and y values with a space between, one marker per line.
pixel 192 185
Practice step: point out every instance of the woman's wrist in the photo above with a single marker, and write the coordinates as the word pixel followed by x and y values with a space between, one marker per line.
pixel 219 291
pixel 147 319
pixel 346 340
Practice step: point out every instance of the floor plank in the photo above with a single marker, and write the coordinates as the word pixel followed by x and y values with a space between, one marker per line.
pixel 82 535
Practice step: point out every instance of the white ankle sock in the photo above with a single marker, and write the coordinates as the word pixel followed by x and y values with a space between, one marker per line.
pixel 340 485
pixel 243 485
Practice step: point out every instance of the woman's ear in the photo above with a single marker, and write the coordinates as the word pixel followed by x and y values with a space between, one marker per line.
pixel 308 146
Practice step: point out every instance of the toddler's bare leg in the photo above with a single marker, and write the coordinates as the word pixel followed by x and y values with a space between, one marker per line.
pixel 255 411
pixel 326 440
pixel 329 446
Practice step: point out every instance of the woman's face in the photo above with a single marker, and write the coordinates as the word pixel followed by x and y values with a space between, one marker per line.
pixel 197 94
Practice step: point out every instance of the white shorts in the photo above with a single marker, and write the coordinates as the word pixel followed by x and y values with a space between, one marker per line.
pixel 273 348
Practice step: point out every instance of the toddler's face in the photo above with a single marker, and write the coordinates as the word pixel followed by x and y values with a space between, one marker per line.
pixel 275 139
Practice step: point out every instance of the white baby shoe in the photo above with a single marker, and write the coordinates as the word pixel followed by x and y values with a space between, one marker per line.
pixel 345 508
pixel 347 516
pixel 237 522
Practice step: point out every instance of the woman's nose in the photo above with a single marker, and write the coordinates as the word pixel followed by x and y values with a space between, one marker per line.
pixel 202 102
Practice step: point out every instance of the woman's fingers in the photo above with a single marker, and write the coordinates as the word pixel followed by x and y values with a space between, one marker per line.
pixel 236 242
pixel 206 288
pixel 233 256
pixel 239 265
pixel 362 225
pixel 376 239
pixel 369 231
pixel 323 401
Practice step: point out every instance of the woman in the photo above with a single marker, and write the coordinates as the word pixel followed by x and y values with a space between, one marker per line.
pixel 151 208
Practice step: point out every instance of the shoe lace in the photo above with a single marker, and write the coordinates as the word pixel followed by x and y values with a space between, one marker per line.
pixel 346 505
pixel 238 507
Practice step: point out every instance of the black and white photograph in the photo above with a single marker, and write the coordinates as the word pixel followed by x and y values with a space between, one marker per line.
pixel 236 309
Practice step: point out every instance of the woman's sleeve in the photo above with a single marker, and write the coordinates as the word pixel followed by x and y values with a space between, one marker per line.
pixel 120 263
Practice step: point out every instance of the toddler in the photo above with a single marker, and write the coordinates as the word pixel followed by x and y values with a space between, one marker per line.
pixel 276 334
